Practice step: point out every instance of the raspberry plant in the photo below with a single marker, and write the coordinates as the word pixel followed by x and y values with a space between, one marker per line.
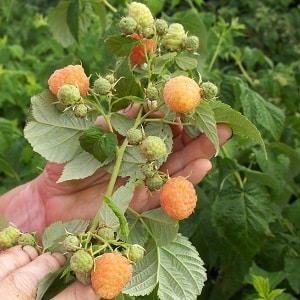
pixel 73 138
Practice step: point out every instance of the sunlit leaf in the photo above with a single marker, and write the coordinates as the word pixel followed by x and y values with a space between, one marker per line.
pixel 176 268
pixel 239 124
pixel 51 133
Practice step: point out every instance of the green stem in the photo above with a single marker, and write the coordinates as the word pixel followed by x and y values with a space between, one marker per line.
pixel 216 53
pixel 190 3
pixel 244 72
pixel 236 174
pixel 107 4
pixel 119 152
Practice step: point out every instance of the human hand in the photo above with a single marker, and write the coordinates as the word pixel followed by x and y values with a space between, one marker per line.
pixel 43 201
pixel 22 269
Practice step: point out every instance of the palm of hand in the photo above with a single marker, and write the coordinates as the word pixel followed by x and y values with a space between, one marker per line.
pixel 48 201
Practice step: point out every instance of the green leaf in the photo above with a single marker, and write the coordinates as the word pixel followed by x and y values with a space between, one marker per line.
pixel 275 293
pixel 242 216
pixel 176 268
pixel 52 234
pixel 50 280
pixel 8 170
pixel 262 286
pixel 73 18
pixel 76 226
pixel 262 113
pixel 121 123
pixel 204 120
pixel 137 232
pixel 52 134
pixel 57 19
pixel 162 61
pixel 82 166
pixel 55 233
pixel 127 84
pixel 275 278
pixel 98 142
pixel 292 267
pixel 8 131
pixel 239 124
pixel 131 159
pixel 121 45
pixel 285 296
pixel 145 273
pixel 161 227
pixel 120 198
pixel 155 6
pixel 229 166
pixel 185 62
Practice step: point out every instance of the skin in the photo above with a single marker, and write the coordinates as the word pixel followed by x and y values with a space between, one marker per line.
pixel 36 204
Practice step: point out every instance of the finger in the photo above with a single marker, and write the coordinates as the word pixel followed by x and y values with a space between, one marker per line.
pixel 15 258
pixel 77 291
pixel 224 133
pixel 195 171
pixel 198 148
pixel 22 283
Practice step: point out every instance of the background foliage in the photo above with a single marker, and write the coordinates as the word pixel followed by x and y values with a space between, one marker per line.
pixel 246 226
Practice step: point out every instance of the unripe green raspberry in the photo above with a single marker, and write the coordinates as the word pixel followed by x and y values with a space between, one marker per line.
pixel 81 262
pixel 154 183
pixel 134 136
pixel 161 26
pixel 68 94
pixel 102 86
pixel 149 169
pixel 80 111
pixel 110 78
pixel 141 13
pixel 107 233
pixel 9 237
pixel 26 239
pixel 208 90
pixel 71 243
pixel 135 253
pixel 174 38
pixel 191 43
pixel 151 92
pixel 147 32
pixel 127 25
pixel 153 148
pixel 84 278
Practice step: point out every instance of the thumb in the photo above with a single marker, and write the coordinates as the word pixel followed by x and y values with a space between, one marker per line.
pixel 25 270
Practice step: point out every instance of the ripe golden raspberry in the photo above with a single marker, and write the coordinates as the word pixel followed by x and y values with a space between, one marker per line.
pixel 71 74
pixel 178 198
pixel 181 94
pixel 112 271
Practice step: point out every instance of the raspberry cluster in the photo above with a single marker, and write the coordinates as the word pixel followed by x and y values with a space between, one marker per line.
pixel 70 85
pixel 11 236
pixel 99 258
